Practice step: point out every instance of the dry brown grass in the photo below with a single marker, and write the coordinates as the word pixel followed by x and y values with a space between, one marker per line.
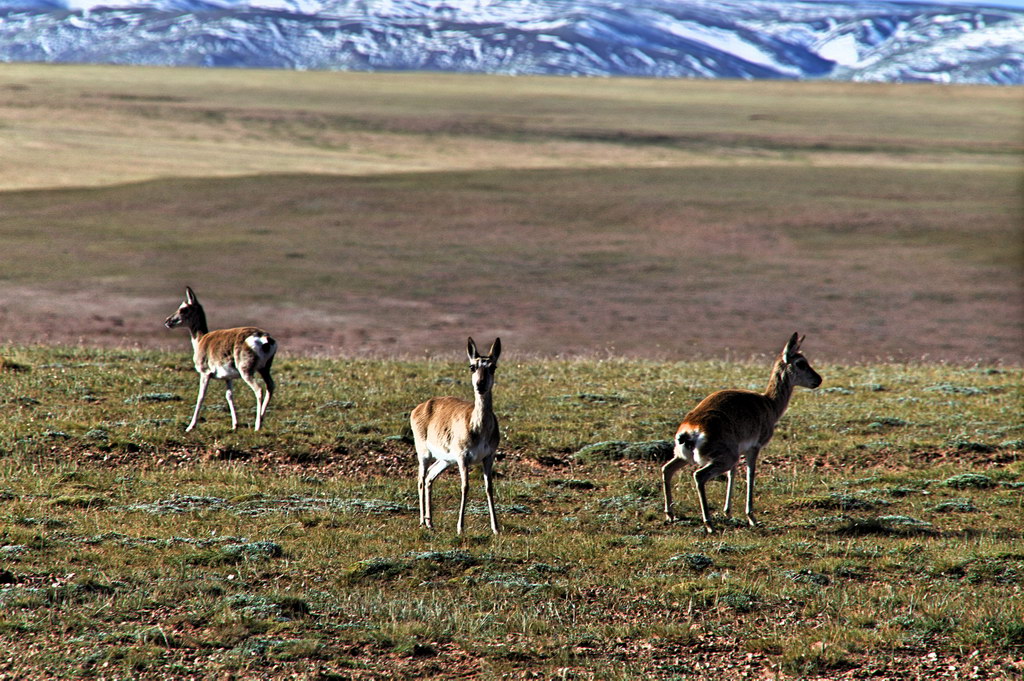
pixel 96 125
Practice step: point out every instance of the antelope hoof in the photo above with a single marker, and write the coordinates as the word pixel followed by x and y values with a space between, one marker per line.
pixel 708 528
pixel 752 521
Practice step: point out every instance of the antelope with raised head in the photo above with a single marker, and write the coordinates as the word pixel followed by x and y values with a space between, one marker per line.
pixel 449 430
pixel 226 354
pixel 731 423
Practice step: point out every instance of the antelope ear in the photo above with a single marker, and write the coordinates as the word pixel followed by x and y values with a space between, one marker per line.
pixel 190 296
pixel 495 350
pixel 792 346
pixel 471 349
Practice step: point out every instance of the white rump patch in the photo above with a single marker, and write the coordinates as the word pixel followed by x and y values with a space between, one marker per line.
pixel 687 453
pixel 261 345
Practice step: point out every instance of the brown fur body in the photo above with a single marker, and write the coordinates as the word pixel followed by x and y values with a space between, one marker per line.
pixel 447 425
pixel 734 413
pixel 227 351
pixel 731 424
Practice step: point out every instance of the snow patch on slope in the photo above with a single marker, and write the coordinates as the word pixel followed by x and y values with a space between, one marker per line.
pixel 649 38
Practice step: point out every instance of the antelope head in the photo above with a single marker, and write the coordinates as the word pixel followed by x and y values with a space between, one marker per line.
pixel 189 314
pixel 797 366
pixel 483 366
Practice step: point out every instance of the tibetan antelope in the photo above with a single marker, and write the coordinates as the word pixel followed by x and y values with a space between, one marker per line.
pixel 448 430
pixel 730 423
pixel 226 354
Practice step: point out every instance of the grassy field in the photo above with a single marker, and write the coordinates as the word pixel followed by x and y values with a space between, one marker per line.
pixel 890 544
pixel 393 214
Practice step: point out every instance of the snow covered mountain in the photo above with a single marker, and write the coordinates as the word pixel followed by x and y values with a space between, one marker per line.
pixel 871 41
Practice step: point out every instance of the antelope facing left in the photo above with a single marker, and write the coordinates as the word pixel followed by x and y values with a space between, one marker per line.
pixel 226 354
pixel 448 430
pixel 730 423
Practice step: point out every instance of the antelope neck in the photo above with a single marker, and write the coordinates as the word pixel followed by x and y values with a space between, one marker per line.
pixel 198 326
pixel 780 387
pixel 481 405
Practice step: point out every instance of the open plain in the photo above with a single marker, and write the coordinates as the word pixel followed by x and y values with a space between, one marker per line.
pixel 636 244
pixel 390 214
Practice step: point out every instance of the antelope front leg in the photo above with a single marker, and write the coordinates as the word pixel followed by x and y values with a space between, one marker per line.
pixel 464 479
pixel 204 382
pixel 751 471
pixel 489 490
pixel 667 471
